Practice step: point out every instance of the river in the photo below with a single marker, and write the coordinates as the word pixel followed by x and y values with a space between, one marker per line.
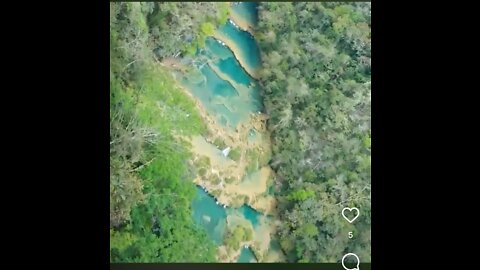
pixel 233 191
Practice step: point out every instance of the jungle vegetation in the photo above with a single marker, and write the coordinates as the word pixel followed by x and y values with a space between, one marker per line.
pixel 151 186
pixel 315 80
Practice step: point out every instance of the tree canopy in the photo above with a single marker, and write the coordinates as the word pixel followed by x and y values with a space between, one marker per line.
pixel 316 88
pixel 151 187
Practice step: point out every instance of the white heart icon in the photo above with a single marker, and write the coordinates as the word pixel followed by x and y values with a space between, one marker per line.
pixel 350 209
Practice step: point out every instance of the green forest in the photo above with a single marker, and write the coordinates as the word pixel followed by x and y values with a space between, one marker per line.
pixel 150 180
pixel 316 88
pixel 315 85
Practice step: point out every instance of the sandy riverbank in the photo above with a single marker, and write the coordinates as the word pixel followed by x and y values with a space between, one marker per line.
pixel 241 22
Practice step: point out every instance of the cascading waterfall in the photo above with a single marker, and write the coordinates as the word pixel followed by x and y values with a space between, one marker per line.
pixel 230 94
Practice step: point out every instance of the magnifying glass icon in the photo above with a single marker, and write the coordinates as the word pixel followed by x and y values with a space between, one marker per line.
pixel 353 255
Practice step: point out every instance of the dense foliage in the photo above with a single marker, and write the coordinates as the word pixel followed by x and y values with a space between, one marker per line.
pixel 178 27
pixel 151 187
pixel 236 235
pixel 316 89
